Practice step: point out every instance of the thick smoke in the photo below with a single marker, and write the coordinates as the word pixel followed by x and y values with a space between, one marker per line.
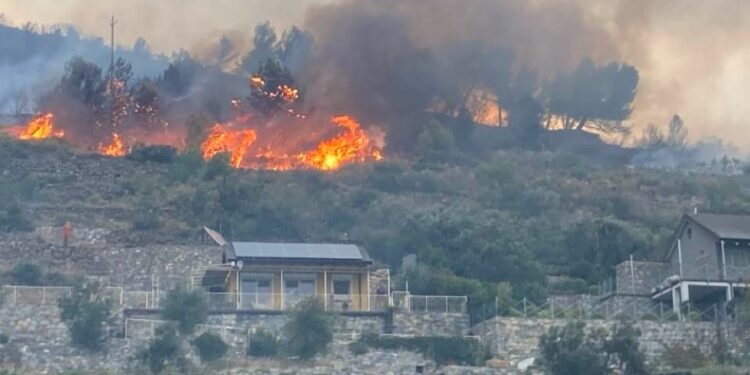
pixel 691 53
pixel 391 60
pixel 693 57
pixel 32 60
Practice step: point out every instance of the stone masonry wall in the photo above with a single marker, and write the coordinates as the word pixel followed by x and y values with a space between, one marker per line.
pixel 430 324
pixel 516 339
pixel 40 343
pixel 116 265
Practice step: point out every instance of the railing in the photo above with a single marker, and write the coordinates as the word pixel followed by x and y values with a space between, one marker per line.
pixel 140 328
pixel 438 304
pixel 606 310
pixel 277 301
pixel 49 295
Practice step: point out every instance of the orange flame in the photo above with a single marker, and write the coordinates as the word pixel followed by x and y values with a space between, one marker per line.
pixel 223 140
pixel 289 94
pixel 41 127
pixel 116 148
pixel 352 145
pixel 257 81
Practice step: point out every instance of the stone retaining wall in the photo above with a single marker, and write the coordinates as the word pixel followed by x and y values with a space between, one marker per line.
pixel 40 343
pixel 516 339
pixel 133 268
pixel 430 324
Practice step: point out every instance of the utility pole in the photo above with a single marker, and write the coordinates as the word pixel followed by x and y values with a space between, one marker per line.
pixel 112 72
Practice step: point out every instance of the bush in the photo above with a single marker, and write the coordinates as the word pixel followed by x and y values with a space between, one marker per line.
pixel 568 350
pixel 184 166
pixel 443 350
pixel 163 351
pixel 210 347
pixel 13 219
pixel 216 167
pixel 263 344
pixel 684 357
pixel 147 220
pixel 87 313
pixel 358 347
pixel 308 331
pixel 186 308
pixel 155 153
pixel 567 286
pixel 26 274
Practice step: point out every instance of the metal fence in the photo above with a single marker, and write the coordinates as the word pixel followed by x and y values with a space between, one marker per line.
pixel 429 304
pixel 49 295
pixel 144 329
pixel 607 310
pixel 403 301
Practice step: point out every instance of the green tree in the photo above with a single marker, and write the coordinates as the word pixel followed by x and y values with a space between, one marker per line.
pixel 210 347
pixel 197 126
pixel 264 48
pixel 435 144
pixel 263 344
pixel 623 348
pixel 164 350
pixel 87 312
pixel 569 350
pixel 186 308
pixel 593 97
pixel 308 331
pixel 26 274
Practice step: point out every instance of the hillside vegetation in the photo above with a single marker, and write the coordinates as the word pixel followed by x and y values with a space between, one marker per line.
pixel 477 224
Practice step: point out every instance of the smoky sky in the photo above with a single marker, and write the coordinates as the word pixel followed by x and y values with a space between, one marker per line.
pixel 692 55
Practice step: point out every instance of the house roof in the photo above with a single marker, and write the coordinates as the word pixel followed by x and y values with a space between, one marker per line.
pixel 724 227
pixel 732 227
pixel 301 253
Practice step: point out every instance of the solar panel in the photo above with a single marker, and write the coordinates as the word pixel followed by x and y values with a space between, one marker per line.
pixel 297 250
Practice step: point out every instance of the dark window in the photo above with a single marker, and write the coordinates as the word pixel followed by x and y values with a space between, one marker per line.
pixel 690 233
pixel 341 287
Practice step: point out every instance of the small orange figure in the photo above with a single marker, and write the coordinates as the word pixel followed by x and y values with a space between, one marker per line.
pixel 67 232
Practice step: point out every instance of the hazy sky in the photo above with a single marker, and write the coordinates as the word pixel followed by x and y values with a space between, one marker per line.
pixel 693 55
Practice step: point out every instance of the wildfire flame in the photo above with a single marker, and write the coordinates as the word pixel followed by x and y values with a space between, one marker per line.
pixel 221 140
pixel 351 145
pixel 289 94
pixel 116 148
pixel 257 82
pixel 41 127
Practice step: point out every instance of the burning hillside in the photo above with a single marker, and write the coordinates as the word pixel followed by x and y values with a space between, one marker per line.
pixel 350 145
pixel 40 127
pixel 238 139
pixel 270 129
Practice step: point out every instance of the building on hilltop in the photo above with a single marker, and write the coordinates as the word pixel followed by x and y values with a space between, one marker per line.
pixel 276 276
pixel 707 264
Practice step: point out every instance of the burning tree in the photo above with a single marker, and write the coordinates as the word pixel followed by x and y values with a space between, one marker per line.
pixel 593 97
pixel 79 97
pixel 272 89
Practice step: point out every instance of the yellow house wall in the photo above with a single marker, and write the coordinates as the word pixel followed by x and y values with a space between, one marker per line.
pixel 323 287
